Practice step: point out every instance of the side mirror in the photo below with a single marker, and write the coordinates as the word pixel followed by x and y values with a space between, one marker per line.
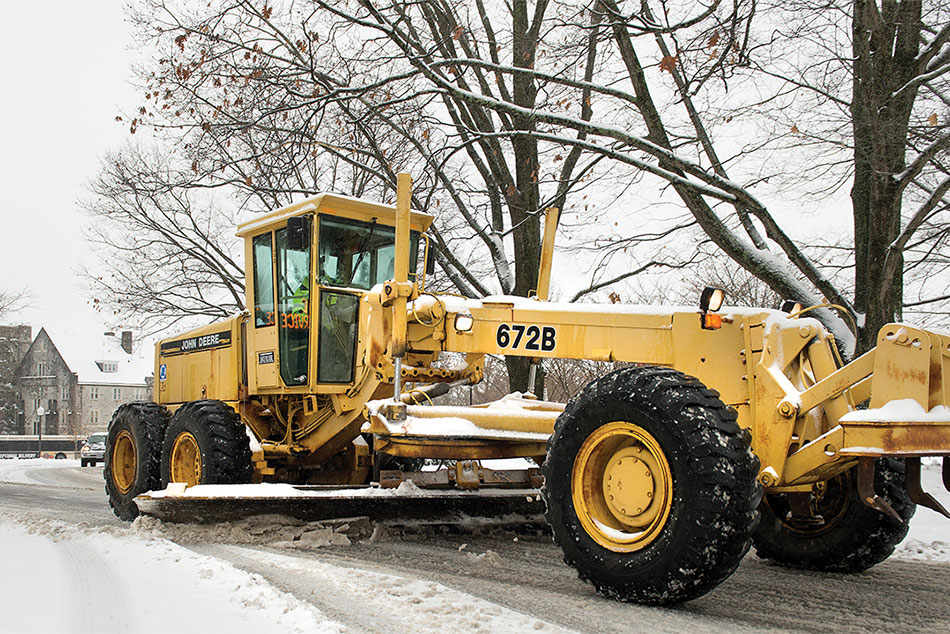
pixel 298 232
pixel 430 259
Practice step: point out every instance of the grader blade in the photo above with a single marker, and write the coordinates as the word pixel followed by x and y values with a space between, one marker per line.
pixel 946 472
pixel 866 489
pixel 916 492
pixel 311 503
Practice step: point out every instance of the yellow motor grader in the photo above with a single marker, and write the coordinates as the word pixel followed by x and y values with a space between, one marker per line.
pixel 726 428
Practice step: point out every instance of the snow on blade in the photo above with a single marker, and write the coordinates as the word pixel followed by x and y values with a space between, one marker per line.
pixel 279 490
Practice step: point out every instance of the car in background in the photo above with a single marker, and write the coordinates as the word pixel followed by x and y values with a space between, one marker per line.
pixel 93 450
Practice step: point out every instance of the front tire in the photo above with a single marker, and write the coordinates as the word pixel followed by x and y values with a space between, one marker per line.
pixel 133 455
pixel 841 534
pixel 650 486
pixel 206 443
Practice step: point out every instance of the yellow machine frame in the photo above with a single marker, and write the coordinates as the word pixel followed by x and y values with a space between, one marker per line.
pixel 780 373
pixel 653 474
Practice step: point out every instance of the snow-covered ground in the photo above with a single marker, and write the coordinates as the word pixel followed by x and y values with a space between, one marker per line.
pixel 79 578
pixel 19 471
pixel 60 577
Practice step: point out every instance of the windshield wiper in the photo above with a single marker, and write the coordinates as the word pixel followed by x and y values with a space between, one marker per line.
pixel 362 250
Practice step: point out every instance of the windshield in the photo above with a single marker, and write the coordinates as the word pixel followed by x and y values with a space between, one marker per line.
pixel 96 438
pixel 359 254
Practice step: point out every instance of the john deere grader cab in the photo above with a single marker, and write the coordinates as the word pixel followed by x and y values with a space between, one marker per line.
pixel 726 428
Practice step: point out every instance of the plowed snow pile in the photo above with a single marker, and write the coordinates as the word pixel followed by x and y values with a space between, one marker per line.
pixel 18 471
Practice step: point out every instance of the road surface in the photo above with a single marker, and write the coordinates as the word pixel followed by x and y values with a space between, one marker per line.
pixel 407 579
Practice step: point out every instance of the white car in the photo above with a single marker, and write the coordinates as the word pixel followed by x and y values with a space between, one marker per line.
pixel 93 450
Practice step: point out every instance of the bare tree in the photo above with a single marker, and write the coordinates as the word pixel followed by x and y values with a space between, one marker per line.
pixel 506 108
pixel 11 302
pixel 897 52
pixel 271 104
pixel 863 94
pixel 166 252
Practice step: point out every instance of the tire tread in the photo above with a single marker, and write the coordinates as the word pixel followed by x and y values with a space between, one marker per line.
pixel 723 485
pixel 151 419
pixel 227 456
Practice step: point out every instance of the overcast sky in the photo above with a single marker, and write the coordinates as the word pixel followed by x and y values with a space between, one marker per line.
pixel 65 78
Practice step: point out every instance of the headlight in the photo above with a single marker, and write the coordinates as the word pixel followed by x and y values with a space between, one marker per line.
pixel 464 322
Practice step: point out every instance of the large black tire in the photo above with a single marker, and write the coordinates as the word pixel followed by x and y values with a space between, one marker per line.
pixel 133 455
pixel 711 493
pixel 217 434
pixel 845 535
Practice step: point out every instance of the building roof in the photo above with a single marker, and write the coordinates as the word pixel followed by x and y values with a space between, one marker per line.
pixel 93 357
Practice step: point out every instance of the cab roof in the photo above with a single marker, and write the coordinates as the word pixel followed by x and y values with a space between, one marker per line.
pixel 333 205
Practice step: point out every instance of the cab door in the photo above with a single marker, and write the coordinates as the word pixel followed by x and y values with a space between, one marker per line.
pixel 292 256
pixel 262 334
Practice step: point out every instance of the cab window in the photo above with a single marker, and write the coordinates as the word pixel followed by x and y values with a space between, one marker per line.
pixel 357 254
pixel 263 281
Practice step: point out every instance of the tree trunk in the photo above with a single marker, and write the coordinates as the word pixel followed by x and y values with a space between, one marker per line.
pixel 885 45
pixel 523 203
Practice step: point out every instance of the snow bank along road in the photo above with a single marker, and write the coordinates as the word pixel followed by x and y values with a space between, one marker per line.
pixel 70 566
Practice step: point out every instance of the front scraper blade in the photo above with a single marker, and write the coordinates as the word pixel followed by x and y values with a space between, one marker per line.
pixel 205 504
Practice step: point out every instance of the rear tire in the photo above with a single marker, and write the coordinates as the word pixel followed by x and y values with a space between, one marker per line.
pixel 206 443
pixel 133 455
pixel 845 535
pixel 683 477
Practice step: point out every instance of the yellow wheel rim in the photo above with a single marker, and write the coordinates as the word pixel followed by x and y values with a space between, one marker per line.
pixel 622 487
pixel 186 460
pixel 123 461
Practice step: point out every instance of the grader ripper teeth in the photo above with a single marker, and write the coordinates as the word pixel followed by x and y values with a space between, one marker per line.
pixel 724 429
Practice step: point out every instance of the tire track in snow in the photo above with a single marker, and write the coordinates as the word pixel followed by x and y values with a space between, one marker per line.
pixel 530 579
pixel 97 599
pixel 388 602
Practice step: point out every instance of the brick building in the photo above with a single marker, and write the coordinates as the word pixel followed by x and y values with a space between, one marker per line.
pixel 79 381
